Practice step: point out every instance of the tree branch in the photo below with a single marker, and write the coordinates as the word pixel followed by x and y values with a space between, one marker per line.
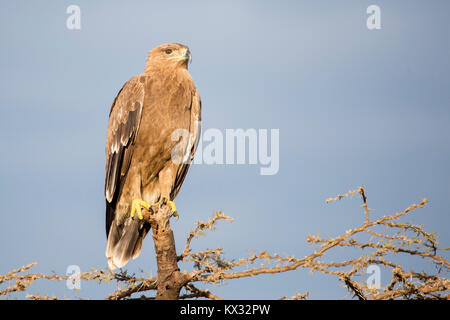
pixel 170 280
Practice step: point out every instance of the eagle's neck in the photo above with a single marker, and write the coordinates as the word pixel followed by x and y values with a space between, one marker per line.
pixel 156 65
pixel 177 72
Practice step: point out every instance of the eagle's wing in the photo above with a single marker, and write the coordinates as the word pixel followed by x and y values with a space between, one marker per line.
pixel 123 126
pixel 194 138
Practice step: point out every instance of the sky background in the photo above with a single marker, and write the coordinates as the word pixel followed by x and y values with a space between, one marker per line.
pixel 354 107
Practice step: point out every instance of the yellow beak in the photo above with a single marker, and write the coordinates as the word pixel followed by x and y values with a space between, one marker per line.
pixel 185 54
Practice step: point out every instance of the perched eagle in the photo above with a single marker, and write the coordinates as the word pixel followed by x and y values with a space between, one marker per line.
pixel 146 123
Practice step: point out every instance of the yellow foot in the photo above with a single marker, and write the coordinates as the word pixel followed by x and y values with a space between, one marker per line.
pixel 172 205
pixel 136 206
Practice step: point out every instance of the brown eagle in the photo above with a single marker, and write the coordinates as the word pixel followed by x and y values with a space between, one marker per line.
pixel 145 131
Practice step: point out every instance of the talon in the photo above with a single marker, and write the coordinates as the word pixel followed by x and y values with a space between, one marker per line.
pixel 163 200
pixel 160 202
pixel 136 207
pixel 173 207
pixel 133 210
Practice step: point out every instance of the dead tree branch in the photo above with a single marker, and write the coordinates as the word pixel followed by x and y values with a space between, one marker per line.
pixel 377 248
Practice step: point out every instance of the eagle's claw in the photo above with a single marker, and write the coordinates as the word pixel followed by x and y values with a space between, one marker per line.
pixel 172 205
pixel 136 206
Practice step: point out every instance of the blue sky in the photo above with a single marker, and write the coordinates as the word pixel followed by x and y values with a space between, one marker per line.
pixel 353 107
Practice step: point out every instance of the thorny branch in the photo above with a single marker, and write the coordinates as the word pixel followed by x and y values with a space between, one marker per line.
pixel 377 247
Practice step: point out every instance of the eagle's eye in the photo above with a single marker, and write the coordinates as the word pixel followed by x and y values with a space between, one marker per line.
pixel 168 51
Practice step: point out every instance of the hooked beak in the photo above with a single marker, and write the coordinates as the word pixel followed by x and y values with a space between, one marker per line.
pixel 188 56
pixel 185 55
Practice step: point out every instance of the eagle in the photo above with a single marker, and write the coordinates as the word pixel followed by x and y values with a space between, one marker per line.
pixel 153 132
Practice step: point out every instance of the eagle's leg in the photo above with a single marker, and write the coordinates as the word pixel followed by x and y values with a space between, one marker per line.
pixel 166 178
pixel 136 207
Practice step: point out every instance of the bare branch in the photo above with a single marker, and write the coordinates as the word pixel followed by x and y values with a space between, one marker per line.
pixel 210 266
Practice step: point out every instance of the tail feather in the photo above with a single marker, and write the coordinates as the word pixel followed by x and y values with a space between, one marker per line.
pixel 142 233
pixel 125 242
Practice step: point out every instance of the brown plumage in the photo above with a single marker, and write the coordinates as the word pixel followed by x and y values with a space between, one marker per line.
pixel 143 132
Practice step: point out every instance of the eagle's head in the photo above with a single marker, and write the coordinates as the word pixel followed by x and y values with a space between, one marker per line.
pixel 166 55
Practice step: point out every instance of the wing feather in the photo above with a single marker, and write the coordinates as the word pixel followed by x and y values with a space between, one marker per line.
pixel 194 130
pixel 123 126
